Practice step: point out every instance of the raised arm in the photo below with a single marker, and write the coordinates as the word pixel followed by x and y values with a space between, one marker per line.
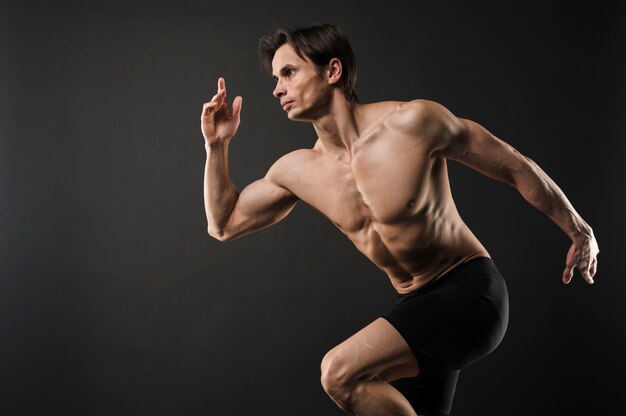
pixel 230 213
pixel 471 144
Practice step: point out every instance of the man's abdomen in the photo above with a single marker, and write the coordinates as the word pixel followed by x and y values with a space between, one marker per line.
pixel 416 252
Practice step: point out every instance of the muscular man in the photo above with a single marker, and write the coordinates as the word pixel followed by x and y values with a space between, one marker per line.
pixel 378 172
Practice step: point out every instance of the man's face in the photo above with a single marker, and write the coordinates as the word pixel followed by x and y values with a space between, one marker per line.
pixel 298 83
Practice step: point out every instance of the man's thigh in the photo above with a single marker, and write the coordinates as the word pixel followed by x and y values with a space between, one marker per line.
pixel 378 350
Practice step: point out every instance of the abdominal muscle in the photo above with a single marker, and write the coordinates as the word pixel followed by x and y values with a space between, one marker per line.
pixel 419 250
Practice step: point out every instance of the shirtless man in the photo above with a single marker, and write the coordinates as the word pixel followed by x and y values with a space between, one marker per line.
pixel 378 172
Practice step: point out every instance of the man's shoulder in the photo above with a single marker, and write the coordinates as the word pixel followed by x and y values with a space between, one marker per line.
pixel 287 166
pixel 420 115
pixel 417 110
pixel 419 104
pixel 296 157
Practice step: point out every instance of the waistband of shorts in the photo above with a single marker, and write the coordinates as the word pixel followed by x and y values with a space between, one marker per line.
pixel 450 276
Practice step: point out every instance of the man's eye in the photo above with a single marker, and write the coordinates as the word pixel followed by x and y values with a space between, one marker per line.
pixel 290 71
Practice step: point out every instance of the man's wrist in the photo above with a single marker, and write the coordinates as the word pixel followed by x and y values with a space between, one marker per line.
pixel 216 145
pixel 582 231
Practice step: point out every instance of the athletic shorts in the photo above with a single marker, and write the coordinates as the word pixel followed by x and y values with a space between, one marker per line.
pixel 449 324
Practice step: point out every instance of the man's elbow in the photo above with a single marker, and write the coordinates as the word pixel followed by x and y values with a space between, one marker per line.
pixel 219 234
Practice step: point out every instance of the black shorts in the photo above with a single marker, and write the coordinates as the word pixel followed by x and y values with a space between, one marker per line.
pixel 449 324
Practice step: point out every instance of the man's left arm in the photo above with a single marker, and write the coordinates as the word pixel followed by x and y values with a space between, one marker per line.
pixel 471 144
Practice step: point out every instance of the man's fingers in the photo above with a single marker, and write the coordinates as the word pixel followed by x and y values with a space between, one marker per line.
pixel 218 102
pixel 591 271
pixel 215 103
pixel 567 274
pixel 208 107
pixel 225 108
pixel 219 96
pixel 237 102
pixel 205 109
pixel 585 269
pixel 583 257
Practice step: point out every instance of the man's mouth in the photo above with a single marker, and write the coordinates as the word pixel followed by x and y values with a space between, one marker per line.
pixel 287 104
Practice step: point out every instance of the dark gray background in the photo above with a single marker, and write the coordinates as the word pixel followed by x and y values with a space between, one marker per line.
pixel 115 301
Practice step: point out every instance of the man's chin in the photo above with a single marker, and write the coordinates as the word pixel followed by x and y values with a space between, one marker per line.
pixel 296 116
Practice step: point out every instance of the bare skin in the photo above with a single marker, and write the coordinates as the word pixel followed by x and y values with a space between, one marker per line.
pixel 378 172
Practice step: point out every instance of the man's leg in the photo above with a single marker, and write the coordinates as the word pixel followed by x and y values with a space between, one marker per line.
pixel 355 373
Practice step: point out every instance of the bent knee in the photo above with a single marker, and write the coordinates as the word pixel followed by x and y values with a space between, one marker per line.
pixel 335 376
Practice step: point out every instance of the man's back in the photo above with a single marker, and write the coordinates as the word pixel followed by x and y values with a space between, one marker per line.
pixel 389 195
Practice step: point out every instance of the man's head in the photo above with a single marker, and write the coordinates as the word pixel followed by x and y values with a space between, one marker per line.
pixel 318 51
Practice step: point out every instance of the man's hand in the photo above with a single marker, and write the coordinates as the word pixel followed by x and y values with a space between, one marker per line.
pixel 582 254
pixel 219 124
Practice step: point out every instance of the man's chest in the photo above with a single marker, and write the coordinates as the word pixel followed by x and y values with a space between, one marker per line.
pixel 383 181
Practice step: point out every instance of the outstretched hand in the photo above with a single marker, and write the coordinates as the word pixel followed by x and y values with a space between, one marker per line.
pixel 219 124
pixel 582 254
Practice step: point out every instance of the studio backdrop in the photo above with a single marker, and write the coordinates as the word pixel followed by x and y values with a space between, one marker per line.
pixel 114 300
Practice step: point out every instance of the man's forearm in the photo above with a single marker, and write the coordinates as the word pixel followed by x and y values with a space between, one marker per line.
pixel 220 194
pixel 541 192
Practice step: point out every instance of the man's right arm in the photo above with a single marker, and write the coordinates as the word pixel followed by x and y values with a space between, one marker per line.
pixel 231 214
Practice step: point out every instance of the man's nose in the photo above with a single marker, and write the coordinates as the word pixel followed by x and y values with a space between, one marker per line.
pixel 279 90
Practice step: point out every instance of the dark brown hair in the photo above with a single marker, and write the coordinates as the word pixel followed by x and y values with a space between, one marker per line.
pixel 320 43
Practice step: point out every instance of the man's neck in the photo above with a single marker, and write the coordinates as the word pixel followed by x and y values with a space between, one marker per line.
pixel 338 129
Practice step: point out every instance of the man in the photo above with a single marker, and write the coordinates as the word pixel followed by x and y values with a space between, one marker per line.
pixel 378 172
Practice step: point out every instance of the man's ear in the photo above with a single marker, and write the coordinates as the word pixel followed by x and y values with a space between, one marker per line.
pixel 334 70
